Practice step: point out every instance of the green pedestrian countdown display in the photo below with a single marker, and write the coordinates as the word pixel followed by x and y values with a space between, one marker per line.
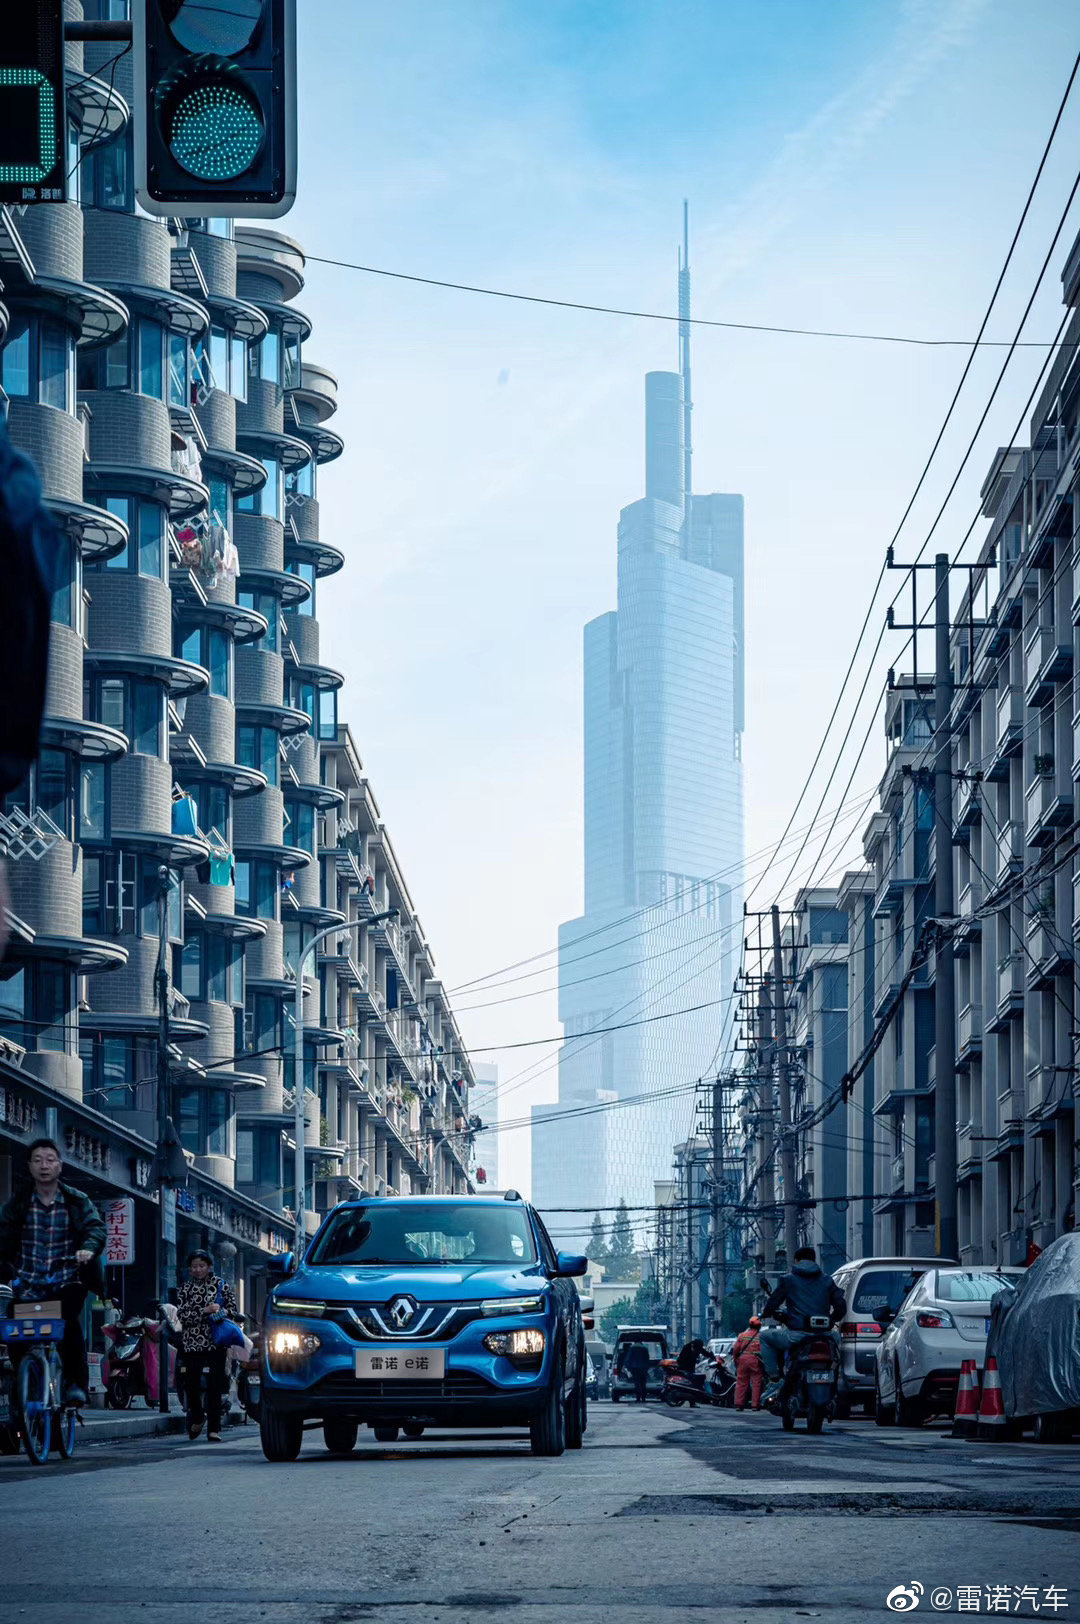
pixel 33 148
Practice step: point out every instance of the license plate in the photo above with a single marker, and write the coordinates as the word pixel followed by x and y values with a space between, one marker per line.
pixel 818 1376
pixel 401 1364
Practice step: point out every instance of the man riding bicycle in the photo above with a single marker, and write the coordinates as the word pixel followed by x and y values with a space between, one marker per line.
pixel 51 1241
pixel 803 1295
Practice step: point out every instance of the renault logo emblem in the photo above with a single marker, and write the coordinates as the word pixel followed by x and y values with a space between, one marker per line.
pixel 402 1310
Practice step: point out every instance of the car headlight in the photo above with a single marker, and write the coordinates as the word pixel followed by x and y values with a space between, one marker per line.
pixel 298 1305
pixel 512 1305
pixel 526 1342
pixel 293 1342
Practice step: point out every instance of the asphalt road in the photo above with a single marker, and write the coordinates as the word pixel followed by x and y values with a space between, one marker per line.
pixel 662 1517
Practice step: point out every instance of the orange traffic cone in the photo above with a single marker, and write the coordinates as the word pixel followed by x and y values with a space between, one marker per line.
pixel 966 1415
pixel 992 1404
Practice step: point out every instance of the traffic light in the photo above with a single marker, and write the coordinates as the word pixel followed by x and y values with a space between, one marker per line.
pixel 33 119
pixel 215 106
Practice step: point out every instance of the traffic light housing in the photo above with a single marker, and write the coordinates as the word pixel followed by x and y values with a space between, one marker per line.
pixel 33 115
pixel 215 106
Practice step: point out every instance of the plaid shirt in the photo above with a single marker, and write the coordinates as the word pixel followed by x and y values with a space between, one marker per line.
pixel 47 1256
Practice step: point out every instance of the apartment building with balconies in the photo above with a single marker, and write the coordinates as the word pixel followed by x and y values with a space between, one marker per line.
pixel 194 780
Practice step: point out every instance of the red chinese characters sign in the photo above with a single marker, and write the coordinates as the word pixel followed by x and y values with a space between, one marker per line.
pixel 119 1232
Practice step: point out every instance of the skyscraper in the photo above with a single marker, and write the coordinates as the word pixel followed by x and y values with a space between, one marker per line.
pixel 664 677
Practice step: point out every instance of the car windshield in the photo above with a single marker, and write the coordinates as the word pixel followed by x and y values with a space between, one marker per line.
pixel 426 1232
pixel 880 1287
pixel 654 1349
pixel 971 1286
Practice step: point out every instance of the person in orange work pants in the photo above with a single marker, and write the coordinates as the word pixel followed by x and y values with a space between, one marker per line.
pixel 749 1370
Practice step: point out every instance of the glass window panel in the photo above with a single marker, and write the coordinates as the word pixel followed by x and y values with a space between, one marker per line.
pixel 175 915
pixel 12 1006
pixel 55 350
pixel 151 369
pixel 242 883
pixel 52 1006
pixel 217 989
pixel 328 714
pixel 112 703
pixel 219 357
pixel 268 754
pixel 271 491
pixel 92 906
pixel 146 718
pixel 213 804
pixel 151 540
pixel 52 775
pixel 151 892
pixel 121 507
pixel 266 890
pixel 116 1067
pixel 15 359
pixel 188 1125
pixel 220 663
pixel 219 500
pixel 270 357
pixel 116 364
pixel 245 1156
pixel 247 744
pixel 236 973
pixel 113 187
pixel 189 646
pixel 266 1028
pixel 191 968
pixel 302 825
pixel 178 370
pixel 217 1121
pixel 92 800
pixel 237 367
pixel 64 597
pixel 306 572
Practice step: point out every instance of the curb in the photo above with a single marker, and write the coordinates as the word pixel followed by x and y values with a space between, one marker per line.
pixel 152 1424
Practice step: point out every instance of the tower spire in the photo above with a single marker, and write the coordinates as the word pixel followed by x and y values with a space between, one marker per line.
pixel 684 355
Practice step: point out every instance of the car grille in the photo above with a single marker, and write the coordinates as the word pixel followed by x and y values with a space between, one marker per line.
pixel 459 1384
pixel 433 1322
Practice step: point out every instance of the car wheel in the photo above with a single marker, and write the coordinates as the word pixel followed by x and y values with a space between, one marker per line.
pixel 909 1411
pixel 1047 1429
pixel 281 1435
pixel 815 1420
pixel 339 1436
pixel 576 1417
pixel 615 1397
pixel 884 1414
pixel 412 1429
pixel 547 1431
pixel 385 1435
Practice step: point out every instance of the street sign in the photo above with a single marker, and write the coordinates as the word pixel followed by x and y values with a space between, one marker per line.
pixel 119 1232
pixel 168 1195
pixel 33 116
pixel 215 106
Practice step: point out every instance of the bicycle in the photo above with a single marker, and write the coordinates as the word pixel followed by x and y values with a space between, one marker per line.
pixel 39 1380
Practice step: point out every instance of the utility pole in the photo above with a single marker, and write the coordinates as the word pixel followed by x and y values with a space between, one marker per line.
pixel 787 1143
pixel 766 1119
pixel 163 1124
pixel 948 1239
pixel 718 1268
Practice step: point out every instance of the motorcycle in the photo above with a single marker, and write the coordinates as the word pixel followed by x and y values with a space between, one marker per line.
pixel 249 1380
pixel 811 1381
pixel 712 1384
pixel 132 1361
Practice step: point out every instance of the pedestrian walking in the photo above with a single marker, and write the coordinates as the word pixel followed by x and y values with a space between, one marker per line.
pixel 636 1363
pixel 204 1298
pixel 51 1240
pixel 749 1369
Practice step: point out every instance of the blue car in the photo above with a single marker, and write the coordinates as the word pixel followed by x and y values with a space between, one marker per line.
pixel 418 1311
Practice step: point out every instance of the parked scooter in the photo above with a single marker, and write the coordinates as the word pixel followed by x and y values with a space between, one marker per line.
pixel 132 1361
pixel 811 1381
pixel 710 1384
pixel 249 1380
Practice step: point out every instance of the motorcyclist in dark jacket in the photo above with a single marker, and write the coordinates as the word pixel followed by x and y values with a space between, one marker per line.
pixel 804 1294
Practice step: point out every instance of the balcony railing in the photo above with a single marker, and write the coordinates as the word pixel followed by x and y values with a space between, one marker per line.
pixel 1047 659
pixel 1010 849
pixel 1010 714
pixel 1011 978
pixel 968 1141
pixel 970 1026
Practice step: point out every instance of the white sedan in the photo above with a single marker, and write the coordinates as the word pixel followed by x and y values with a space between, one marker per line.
pixel 943 1320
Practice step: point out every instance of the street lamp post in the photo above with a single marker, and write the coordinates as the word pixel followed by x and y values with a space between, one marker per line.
pixel 298 1064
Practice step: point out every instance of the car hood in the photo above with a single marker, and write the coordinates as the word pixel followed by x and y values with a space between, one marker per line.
pixel 376 1283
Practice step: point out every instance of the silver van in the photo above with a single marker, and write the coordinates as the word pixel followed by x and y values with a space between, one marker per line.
pixel 868 1283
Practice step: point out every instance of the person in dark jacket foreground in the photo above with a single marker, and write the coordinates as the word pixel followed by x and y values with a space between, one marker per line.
pixel 51 1241
pixel 636 1364
pixel 805 1294
pixel 689 1355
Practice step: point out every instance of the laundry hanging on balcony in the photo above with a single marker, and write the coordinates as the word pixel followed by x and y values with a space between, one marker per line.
pixel 185 456
pixel 208 550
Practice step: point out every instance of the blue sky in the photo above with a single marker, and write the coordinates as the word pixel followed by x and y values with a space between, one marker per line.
pixel 848 165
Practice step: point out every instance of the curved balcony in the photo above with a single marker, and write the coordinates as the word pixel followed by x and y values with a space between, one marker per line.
pixel 52 234
pixel 327 560
pixel 98 533
pixel 131 450
pixel 53 440
pixel 270 264
pixel 260 541
pixel 289 589
pixel 245 320
pixel 97 108
pixel 142 246
pixel 271 442
pixel 97 315
pixel 129 611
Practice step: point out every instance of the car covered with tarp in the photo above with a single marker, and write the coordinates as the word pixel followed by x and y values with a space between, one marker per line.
pixel 1035 1335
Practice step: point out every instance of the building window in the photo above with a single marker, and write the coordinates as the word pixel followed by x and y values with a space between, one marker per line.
pixel 290 352
pixel 258 747
pixel 149 898
pixel 220 501
pixel 107 178
pixel 258 1156
pixel 304 572
pixel 268 501
pixel 145 549
pixel 301 816
pixel 72 794
pixel 328 713
pixel 265 604
pixel 266 358
pixel 211 648
pixel 213 802
pixel 204 1118
pixel 67 602
pixel 179 371
pixel 303 697
pixel 151 361
pixel 93 809
pixel 38 362
pixel 37 1004
pixel 256 888
pixel 300 482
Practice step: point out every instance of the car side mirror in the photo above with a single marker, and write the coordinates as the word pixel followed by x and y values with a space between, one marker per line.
pixel 586 1304
pixel 569 1264
pixel 885 1315
pixel 281 1266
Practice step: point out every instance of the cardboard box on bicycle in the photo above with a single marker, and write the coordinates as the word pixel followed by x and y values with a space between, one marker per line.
pixel 49 1310
pixel 32 1322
